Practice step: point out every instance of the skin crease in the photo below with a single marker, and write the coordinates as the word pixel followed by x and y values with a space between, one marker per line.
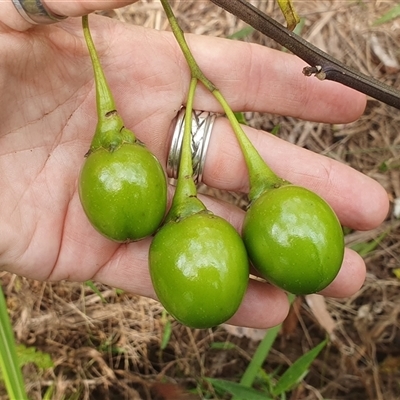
pixel 48 115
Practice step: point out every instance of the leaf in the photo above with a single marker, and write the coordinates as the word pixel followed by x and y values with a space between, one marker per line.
pixel 92 286
pixel 48 395
pixel 291 17
pixel 261 354
pixel 384 167
pixel 236 389
pixel 223 345
pixel 275 130
pixel 28 355
pixel 241 118
pixel 167 331
pixel 11 373
pixel 364 248
pixel 242 33
pixel 396 272
pixel 166 335
pixel 389 16
pixel 296 372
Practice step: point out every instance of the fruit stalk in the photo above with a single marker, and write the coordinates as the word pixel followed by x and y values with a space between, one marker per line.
pixel 261 176
pixel 185 201
pixel 122 185
pixel 292 236
pixel 198 262
pixel 104 99
pixel 110 131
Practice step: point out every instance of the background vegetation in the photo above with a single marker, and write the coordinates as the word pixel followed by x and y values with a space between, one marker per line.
pixel 89 341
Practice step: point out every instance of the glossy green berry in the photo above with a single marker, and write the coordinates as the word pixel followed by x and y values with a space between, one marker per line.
pixel 199 269
pixel 122 186
pixel 123 192
pixel 294 239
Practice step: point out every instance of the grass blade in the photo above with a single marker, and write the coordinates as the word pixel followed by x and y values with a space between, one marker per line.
pixel 389 16
pixel 260 355
pixel 364 248
pixel 239 391
pixel 242 33
pixel 90 284
pixel 8 356
pixel 297 370
pixel 167 331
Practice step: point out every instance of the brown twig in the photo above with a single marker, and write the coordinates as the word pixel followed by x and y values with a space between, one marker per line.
pixel 321 64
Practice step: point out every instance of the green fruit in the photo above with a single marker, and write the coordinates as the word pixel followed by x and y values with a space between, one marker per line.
pixel 123 192
pixel 122 186
pixel 294 239
pixel 199 269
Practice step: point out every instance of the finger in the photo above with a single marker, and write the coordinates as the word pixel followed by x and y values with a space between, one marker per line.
pixel 250 76
pixel 359 201
pixel 82 7
pixel 11 18
pixel 352 272
pixel 256 78
pixel 263 306
pixel 350 278
pixel 134 278
pixel 266 80
pixel 128 269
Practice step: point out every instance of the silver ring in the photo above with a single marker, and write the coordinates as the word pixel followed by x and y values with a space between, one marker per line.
pixel 35 12
pixel 202 125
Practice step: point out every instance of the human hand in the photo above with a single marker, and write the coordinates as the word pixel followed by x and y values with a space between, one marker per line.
pixel 48 116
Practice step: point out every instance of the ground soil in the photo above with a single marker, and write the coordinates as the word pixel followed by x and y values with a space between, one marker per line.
pixel 109 347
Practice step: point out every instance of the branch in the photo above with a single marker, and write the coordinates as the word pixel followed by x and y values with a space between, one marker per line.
pixel 321 64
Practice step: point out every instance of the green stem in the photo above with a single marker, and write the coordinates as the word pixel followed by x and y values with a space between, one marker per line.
pixel 185 185
pixel 180 37
pixel 104 98
pixel 110 131
pixel 185 201
pixel 261 176
pixel 9 366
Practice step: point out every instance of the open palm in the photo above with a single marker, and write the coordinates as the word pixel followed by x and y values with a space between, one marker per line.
pixel 48 117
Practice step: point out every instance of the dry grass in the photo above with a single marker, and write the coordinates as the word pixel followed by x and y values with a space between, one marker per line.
pixel 112 350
